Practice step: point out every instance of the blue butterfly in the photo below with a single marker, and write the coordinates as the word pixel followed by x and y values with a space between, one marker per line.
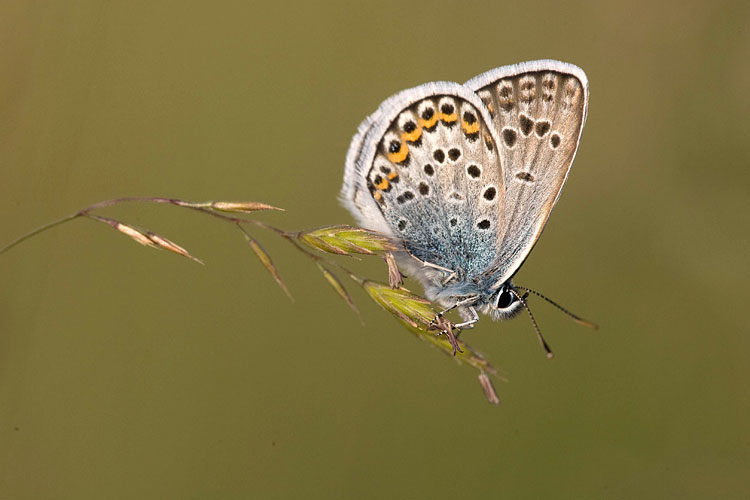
pixel 466 177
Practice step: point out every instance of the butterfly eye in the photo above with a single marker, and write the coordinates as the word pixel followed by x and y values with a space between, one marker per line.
pixel 504 298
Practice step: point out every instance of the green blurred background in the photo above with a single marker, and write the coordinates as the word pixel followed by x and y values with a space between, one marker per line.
pixel 129 373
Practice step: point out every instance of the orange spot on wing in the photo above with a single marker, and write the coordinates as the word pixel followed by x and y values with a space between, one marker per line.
pixel 392 175
pixel 377 196
pixel 399 155
pixel 470 128
pixel 449 118
pixel 412 136
pixel 383 184
pixel 428 123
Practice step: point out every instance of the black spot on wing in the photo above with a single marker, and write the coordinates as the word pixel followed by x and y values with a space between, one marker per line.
pixel 509 137
pixel 526 124
pixel 525 176
pixel 542 127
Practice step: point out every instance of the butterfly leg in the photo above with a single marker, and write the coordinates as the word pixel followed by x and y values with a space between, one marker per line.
pixel 463 302
pixel 470 316
pixel 449 278
pixel 451 273
pixel 446 327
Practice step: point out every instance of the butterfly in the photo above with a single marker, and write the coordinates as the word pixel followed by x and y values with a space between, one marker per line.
pixel 465 176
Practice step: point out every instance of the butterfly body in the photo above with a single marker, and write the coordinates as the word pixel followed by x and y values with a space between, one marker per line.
pixel 466 176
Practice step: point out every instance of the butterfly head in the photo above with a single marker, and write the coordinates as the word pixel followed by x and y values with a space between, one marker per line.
pixel 504 303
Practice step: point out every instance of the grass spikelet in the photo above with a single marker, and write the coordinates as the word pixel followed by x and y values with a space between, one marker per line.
pixel 241 206
pixel 346 240
pixel 395 278
pixel 444 326
pixel 411 309
pixel 489 389
pixel 265 259
pixel 419 318
pixel 134 233
pixel 126 229
pixel 338 287
pixel 166 244
pixel 145 238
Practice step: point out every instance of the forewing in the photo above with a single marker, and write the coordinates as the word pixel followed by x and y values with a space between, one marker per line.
pixel 538 109
pixel 428 172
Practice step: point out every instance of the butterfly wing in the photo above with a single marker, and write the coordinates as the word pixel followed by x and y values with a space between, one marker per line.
pixel 538 109
pixel 425 169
